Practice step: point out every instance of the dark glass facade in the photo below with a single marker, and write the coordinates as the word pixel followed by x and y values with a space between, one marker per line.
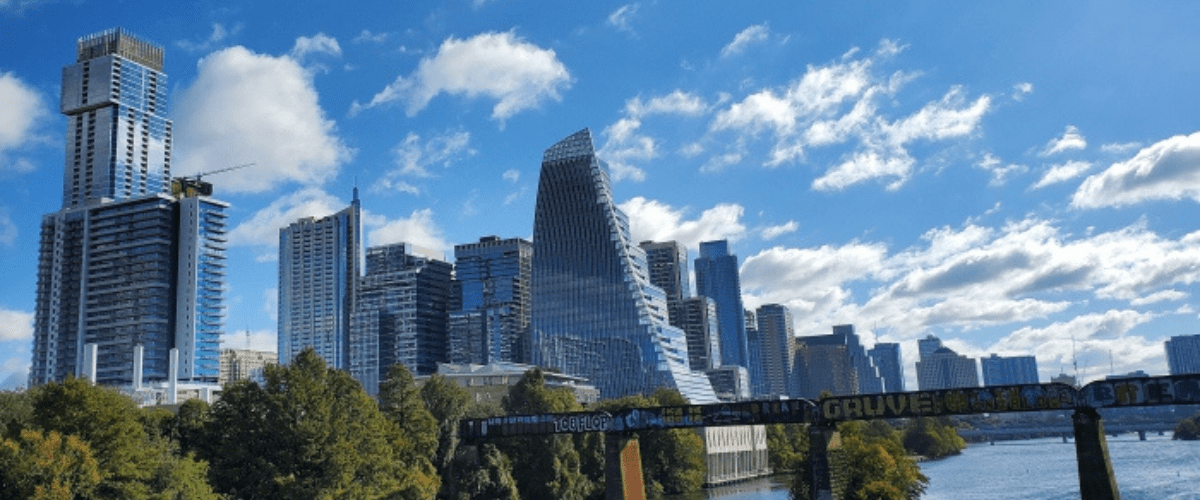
pixel 717 278
pixel 491 322
pixel 595 313
pixel 886 357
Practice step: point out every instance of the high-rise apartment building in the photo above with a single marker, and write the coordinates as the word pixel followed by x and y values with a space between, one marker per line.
pixel 245 364
pixel 668 263
pixel 131 268
pixel 399 314
pixel 836 363
pixel 778 349
pixel 491 321
pixel 319 267
pixel 886 358
pixel 1012 370
pixel 595 312
pixel 698 319
pixel 717 277
pixel 1183 354
pixel 942 368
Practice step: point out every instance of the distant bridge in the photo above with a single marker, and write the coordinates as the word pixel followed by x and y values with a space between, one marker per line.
pixel 623 466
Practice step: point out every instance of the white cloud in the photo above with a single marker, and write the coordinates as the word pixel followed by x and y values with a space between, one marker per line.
pixel 1063 173
pixel 757 33
pixel 317 44
pixel 366 36
pixel 773 232
pixel 262 229
pixel 271 303
pixel 20 116
pixel 1000 172
pixel 500 66
pixel 511 175
pixel 811 282
pixel 245 107
pixel 15 325
pixel 414 157
pixel 1071 139
pixel 8 230
pixel 418 229
pixel 255 340
pixel 1123 148
pixel 625 144
pixel 621 17
pixel 838 103
pixel 218 35
pixel 1090 338
pixel 651 220
pixel 1020 90
pixel 1167 170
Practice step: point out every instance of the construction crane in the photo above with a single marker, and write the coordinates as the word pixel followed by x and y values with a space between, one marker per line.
pixel 189 187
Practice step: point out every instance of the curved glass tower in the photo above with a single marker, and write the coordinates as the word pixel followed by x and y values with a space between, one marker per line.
pixel 595 313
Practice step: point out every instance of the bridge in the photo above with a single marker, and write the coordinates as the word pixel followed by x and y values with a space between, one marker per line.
pixel 623 467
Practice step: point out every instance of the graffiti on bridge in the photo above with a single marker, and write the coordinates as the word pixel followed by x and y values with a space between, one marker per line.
pixel 1030 397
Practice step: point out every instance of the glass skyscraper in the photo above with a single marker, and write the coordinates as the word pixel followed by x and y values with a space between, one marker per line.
pixel 318 270
pixel 668 263
pixel 491 323
pixel 778 349
pixel 1009 370
pixel 886 357
pixel 595 313
pixel 717 278
pixel 1183 354
pixel 399 314
pixel 132 260
pixel 940 367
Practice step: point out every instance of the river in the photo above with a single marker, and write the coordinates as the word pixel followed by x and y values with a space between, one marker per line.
pixel 1043 469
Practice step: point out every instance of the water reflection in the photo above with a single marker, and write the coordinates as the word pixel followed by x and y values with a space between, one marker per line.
pixel 766 488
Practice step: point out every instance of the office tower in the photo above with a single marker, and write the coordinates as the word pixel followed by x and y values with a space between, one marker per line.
pixel 595 313
pixel 758 378
pixel 778 348
pixel 717 277
pixel 1183 354
pixel 490 321
pixel 1012 370
pixel 836 363
pixel 698 319
pixel 399 314
pixel 886 357
pixel 668 263
pixel 129 269
pixel 942 368
pixel 318 271
pixel 928 345
pixel 245 364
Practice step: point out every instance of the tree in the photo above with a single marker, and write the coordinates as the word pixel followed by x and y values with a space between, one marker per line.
pixel 16 412
pixel 932 437
pixel 873 465
pixel 447 403
pixel 400 401
pixel 545 467
pixel 109 423
pixel 47 466
pixel 310 432
pixel 672 459
pixel 787 445
pixel 486 477
pixel 1188 429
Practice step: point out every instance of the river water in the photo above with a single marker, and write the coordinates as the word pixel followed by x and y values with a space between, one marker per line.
pixel 1043 469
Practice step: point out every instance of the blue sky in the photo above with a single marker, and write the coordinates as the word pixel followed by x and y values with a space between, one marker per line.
pixel 1014 177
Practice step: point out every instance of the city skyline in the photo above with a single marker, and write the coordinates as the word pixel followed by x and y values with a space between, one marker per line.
pixel 956 171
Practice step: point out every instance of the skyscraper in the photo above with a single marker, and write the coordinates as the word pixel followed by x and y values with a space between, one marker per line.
pixel 754 344
pixel 942 368
pixel 491 323
pixel 668 263
pixel 399 314
pixel 1011 370
pixel 886 357
pixel 836 363
pixel 778 349
pixel 717 277
pixel 318 270
pixel 132 264
pixel 1183 354
pixel 698 319
pixel 595 313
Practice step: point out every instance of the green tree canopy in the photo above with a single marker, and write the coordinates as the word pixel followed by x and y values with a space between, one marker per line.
pixel 873 465
pixel 932 437
pixel 545 467
pixel 310 432
pixel 47 466
pixel 672 459
pixel 1188 429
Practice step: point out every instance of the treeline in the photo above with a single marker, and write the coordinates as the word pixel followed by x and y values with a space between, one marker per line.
pixel 312 432
pixel 873 460
pixel 1188 429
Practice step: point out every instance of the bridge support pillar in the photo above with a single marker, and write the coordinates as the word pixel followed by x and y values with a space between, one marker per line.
pixel 820 439
pixel 1096 479
pixel 622 468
